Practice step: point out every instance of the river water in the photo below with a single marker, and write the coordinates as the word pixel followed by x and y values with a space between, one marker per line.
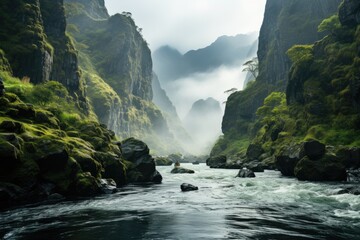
pixel 266 207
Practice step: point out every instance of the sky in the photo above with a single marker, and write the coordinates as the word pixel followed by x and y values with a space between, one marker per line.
pixel 190 24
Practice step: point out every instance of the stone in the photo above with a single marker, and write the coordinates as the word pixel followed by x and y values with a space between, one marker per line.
pixel 288 157
pixel 314 149
pixel 186 187
pixel 9 157
pixel 255 166
pixel 328 168
pixel 142 167
pixel 216 161
pixel 254 151
pixel 181 170
pixel 86 185
pixel 108 186
pixel 245 173
pixel 10 194
pixel 53 157
pixel 163 161
pixel 350 190
pixel 113 167
pixel 350 156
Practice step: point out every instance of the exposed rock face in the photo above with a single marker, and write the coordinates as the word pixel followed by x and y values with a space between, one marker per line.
pixel 94 8
pixel 349 12
pixel 283 26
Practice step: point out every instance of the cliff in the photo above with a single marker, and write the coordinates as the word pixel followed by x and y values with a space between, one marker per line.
pixel 285 24
pixel 34 40
pixel 117 67
pixel 310 130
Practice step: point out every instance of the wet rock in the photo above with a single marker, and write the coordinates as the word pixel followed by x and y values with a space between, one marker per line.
pixel 328 168
pixel 314 149
pixel 55 197
pixel 142 168
pixel 86 185
pixel 217 161
pixel 113 167
pixel 288 157
pixel 181 170
pixel 350 190
pixel 157 178
pixel 108 186
pixel 255 166
pixel 186 187
pixel 245 173
pixel 10 194
pixel 254 151
pixel 350 156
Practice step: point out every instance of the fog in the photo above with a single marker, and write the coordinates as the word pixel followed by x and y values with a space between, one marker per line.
pixel 204 128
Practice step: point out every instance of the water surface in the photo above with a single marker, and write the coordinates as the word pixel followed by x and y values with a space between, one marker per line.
pixel 266 207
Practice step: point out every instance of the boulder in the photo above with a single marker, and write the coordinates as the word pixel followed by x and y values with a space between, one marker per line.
pixel 255 166
pixel 217 161
pixel 142 164
pixel 245 173
pixel 350 190
pixel 86 185
pixel 157 178
pixel 314 149
pixel 350 156
pixel 108 186
pixel 328 168
pixel 181 170
pixel 288 157
pixel 10 194
pixel 52 156
pixel 349 12
pixel 113 167
pixel 254 151
pixel 186 187
pixel 87 163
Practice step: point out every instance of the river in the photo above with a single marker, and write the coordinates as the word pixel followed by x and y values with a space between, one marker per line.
pixel 266 207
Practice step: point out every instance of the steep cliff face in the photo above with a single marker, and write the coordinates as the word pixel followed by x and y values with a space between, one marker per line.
pixel 285 24
pixel 117 66
pixel 34 40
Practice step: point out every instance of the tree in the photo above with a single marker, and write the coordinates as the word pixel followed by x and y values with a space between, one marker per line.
pixel 252 66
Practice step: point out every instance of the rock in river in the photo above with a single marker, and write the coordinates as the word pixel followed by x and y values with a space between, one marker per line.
pixel 185 187
pixel 245 173
pixel 181 170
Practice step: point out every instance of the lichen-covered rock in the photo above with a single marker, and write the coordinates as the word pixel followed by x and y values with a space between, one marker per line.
pixel 350 156
pixel 11 127
pixel 328 168
pixel 86 185
pixel 114 167
pixel 245 173
pixel 181 170
pixel 9 157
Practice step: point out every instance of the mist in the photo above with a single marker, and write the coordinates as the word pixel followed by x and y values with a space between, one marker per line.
pixel 204 128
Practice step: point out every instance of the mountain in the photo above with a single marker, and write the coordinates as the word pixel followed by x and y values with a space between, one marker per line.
pixel 170 64
pixel 203 122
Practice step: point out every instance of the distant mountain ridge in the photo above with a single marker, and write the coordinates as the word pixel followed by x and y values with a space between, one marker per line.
pixel 170 64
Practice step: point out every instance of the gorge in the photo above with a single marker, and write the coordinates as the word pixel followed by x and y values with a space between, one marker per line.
pixel 86 120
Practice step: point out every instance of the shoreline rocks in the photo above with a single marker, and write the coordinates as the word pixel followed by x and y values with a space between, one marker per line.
pixel 186 187
pixel 245 173
pixel 181 170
